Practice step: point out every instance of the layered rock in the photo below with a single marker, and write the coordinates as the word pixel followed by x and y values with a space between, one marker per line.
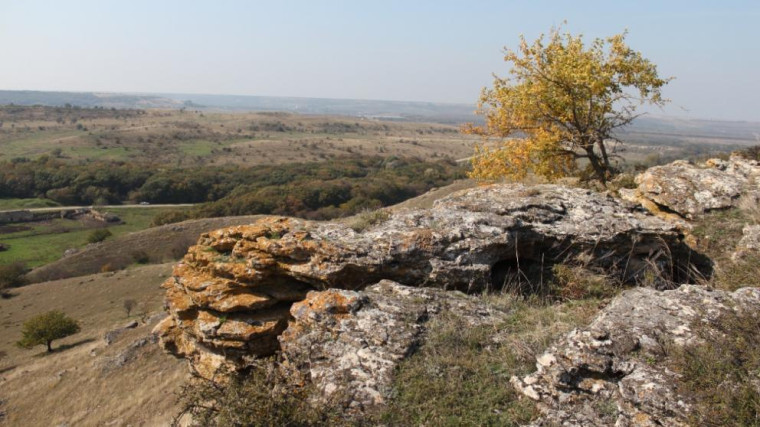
pixel 615 372
pixel 688 190
pixel 231 296
pixel 348 343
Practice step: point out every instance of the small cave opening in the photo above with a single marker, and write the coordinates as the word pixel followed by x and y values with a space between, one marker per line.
pixel 521 276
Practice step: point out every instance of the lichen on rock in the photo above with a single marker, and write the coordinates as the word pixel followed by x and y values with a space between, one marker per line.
pixel 685 190
pixel 230 298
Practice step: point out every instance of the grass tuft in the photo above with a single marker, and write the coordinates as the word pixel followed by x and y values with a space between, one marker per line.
pixel 367 219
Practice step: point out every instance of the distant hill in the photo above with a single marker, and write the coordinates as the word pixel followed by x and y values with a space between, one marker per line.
pixel 740 131
pixel 385 110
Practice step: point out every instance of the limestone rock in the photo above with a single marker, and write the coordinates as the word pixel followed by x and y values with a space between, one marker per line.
pixel 348 343
pixel 231 296
pixel 749 243
pixel 600 375
pixel 114 334
pixel 688 190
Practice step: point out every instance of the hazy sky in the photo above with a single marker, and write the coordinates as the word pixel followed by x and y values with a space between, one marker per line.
pixel 409 50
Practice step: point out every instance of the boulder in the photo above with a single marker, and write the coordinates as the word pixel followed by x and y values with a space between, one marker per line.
pixel 687 190
pixel 114 334
pixel 615 371
pixel 231 296
pixel 347 344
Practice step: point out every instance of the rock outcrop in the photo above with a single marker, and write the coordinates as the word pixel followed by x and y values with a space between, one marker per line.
pixel 615 372
pixel 233 294
pixel 348 343
pixel 688 190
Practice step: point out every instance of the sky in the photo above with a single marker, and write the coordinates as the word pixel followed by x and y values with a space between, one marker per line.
pixel 424 50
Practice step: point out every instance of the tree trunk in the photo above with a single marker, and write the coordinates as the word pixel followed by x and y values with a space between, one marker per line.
pixel 49 347
pixel 605 157
pixel 599 169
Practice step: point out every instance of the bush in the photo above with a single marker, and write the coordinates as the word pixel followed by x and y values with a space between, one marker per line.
pixel 99 235
pixel 141 257
pixel 45 328
pixel 750 153
pixel 169 217
pixel 251 399
pixel 11 275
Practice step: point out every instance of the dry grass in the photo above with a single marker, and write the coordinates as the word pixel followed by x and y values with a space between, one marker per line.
pixel 79 383
pixel 460 376
pixel 425 201
pixel 189 139
pixel 367 219
pixel 717 234
pixel 721 374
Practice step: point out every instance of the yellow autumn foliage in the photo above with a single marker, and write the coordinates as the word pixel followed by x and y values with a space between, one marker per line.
pixel 562 102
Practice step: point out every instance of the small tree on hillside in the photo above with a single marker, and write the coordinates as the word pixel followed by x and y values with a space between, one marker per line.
pixel 563 102
pixel 129 305
pixel 45 328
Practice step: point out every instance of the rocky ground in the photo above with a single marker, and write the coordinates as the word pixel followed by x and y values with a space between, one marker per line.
pixel 495 305
pixel 343 307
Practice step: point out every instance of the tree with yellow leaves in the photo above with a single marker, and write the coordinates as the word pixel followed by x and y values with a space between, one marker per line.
pixel 561 104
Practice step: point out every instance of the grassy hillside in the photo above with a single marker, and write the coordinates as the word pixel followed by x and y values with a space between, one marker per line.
pixel 39 243
pixel 85 381
pixel 154 245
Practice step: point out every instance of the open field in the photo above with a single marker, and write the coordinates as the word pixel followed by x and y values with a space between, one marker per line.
pixel 39 243
pixel 194 138
pixel 15 204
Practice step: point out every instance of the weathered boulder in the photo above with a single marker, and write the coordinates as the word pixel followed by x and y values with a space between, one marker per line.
pixel 615 371
pixel 688 190
pixel 231 296
pixel 348 343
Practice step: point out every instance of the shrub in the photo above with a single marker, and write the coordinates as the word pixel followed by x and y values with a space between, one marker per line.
pixel 169 217
pixel 45 328
pixel 99 235
pixel 750 153
pixel 251 399
pixel 140 257
pixel 11 275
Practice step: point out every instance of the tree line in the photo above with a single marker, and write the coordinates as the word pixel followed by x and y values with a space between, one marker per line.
pixel 321 190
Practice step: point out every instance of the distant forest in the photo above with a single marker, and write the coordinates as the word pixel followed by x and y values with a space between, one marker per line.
pixel 323 190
